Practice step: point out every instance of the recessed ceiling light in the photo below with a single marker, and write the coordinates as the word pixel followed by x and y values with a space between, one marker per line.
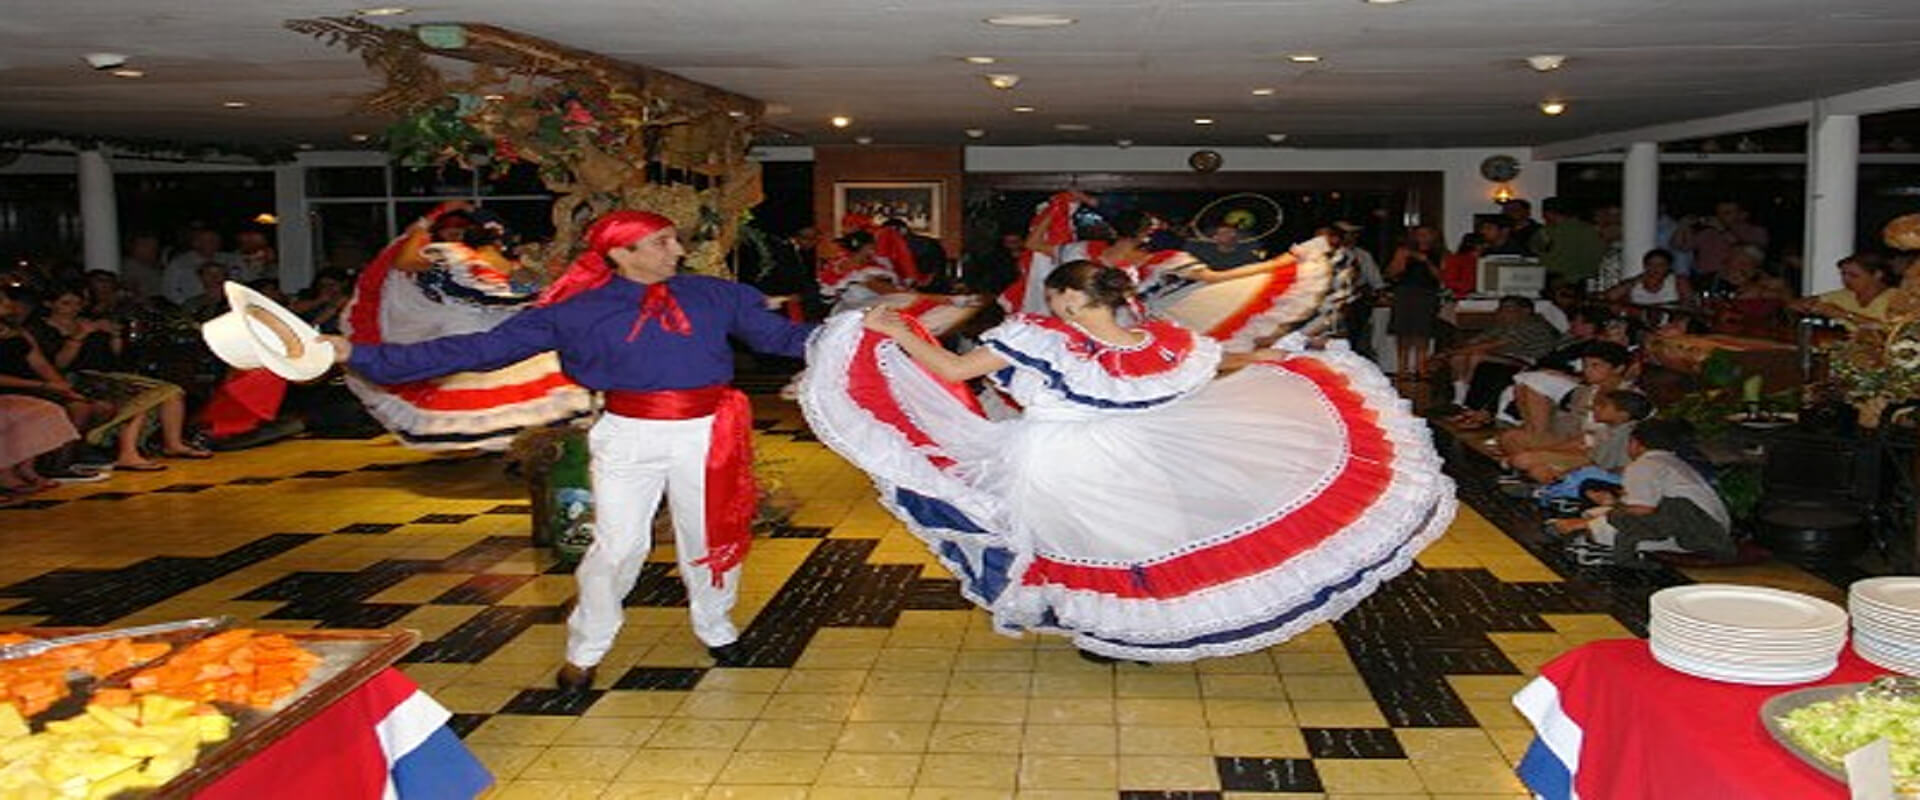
pixel 1030 20
pixel 1276 138
pixel 382 11
pixel 1203 120
pixel 235 104
pixel 863 140
pixel 359 137
pixel 1123 143
pixel 1382 2
pixel 975 133
pixel 982 60
pixel 1303 58
pixel 841 122
pixel 1553 108
pixel 1546 63
pixel 1003 80
pixel 304 145
pixel 1263 92
pixel 736 113
pixel 493 98
pixel 1023 109
pixel 1072 126
pixel 129 73
pixel 265 218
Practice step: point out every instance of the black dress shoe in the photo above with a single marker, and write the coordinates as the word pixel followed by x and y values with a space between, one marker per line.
pixel 573 679
pixel 728 655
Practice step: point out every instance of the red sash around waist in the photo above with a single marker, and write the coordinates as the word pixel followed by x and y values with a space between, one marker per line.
pixel 732 494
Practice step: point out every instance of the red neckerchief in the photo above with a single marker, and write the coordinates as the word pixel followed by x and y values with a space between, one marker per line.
pixel 658 303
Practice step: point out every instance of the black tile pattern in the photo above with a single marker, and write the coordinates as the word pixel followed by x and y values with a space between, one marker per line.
pixel 443 519
pixel 1158 794
pixel 482 590
pixel 833 583
pixel 511 508
pixel 484 554
pixel 664 679
pixel 386 467
pixel 253 481
pixel 100 596
pixel 463 724
pixel 1267 774
pixel 369 527
pixel 552 702
pixel 472 641
pixel 32 505
pixel 799 532
pixel 658 587
pixel 109 496
pixel 184 488
pixel 1353 743
pixel 936 594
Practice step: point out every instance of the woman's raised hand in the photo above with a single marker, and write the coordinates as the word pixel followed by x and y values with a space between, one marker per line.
pixel 886 321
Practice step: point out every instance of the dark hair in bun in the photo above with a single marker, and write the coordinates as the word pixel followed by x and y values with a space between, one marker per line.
pixel 1133 223
pixel 1104 286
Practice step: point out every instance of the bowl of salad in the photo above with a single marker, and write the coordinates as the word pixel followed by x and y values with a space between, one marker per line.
pixel 1823 724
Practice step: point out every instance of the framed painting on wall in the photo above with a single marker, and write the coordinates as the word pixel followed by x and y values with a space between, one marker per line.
pixel 915 202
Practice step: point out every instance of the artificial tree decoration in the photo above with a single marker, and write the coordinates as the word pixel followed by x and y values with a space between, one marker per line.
pixel 605 134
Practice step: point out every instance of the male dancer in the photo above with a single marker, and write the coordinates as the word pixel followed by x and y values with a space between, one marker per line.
pixel 655 342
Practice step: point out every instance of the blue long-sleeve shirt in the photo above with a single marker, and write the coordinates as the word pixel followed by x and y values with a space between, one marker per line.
pixel 590 333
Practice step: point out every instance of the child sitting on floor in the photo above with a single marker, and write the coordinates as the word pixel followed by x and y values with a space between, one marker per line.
pixel 1665 505
pixel 1604 455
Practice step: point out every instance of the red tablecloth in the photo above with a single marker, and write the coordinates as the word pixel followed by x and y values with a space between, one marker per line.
pixel 1642 731
pixel 384 739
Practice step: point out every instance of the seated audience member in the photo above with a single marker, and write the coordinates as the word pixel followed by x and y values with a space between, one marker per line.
pixel 212 299
pixel 1665 504
pixel 1499 240
pixel 1865 296
pixel 1518 338
pixel 1615 414
pixel 1563 426
pixel 321 303
pixel 1654 287
pixel 89 354
pixel 1554 373
pixel 1460 271
pixel 1754 298
pixel 29 428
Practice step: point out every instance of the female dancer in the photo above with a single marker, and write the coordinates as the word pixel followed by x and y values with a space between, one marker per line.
pixel 448 275
pixel 1239 307
pixel 1138 505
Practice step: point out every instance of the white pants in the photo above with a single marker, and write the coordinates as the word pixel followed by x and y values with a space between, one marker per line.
pixel 633 461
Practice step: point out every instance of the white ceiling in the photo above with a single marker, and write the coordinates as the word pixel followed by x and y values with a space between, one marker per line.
pixel 1423 73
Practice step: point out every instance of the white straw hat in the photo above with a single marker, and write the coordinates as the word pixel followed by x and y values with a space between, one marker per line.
pixel 257 332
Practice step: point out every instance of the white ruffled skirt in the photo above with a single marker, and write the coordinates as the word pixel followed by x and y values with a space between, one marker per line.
pixel 481 410
pixel 1266 502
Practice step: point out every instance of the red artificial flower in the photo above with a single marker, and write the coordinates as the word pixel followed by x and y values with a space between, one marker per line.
pixel 577 115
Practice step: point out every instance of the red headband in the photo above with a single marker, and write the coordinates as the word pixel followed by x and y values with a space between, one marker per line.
pixel 591 271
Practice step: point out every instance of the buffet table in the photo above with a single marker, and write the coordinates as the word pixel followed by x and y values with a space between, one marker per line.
pixel 386 738
pixel 1611 722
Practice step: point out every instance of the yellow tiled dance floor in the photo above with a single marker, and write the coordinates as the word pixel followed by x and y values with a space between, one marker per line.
pixel 875 682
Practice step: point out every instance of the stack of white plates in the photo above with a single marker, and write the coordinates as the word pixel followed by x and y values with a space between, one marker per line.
pixel 1886 622
pixel 1746 634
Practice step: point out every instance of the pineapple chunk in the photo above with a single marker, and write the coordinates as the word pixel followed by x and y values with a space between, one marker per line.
pixel 111 720
pixel 215 727
pixel 11 723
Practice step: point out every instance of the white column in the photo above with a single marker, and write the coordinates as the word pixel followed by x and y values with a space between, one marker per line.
pixel 1833 171
pixel 294 237
pixel 99 217
pixel 1639 205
